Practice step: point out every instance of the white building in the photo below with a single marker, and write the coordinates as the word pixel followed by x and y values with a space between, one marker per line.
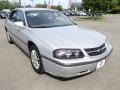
pixel 77 6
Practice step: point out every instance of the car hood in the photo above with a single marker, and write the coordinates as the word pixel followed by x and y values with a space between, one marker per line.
pixel 70 36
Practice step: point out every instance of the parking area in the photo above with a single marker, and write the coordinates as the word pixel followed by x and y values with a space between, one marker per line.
pixel 16 72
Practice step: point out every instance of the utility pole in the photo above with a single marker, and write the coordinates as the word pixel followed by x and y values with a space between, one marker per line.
pixel 70 3
pixel 32 2
pixel 20 2
pixel 52 2
pixel 49 4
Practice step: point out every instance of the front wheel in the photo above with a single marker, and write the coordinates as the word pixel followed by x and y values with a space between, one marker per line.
pixel 36 59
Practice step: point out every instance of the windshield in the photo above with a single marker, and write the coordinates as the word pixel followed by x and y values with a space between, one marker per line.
pixel 46 18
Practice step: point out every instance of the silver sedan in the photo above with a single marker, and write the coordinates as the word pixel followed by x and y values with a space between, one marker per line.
pixel 55 44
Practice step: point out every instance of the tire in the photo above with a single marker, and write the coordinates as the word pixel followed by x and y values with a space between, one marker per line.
pixel 9 38
pixel 36 60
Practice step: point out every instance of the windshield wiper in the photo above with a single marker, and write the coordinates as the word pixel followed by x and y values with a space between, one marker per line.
pixel 37 26
pixel 40 27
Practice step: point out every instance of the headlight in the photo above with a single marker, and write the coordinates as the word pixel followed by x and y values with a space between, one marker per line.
pixel 68 53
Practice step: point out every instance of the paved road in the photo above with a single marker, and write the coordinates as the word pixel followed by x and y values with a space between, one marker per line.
pixel 16 72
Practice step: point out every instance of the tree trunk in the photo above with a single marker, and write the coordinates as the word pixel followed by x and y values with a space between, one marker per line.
pixel 93 15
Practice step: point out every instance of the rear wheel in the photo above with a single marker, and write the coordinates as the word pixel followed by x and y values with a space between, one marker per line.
pixel 9 38
pixel 36 59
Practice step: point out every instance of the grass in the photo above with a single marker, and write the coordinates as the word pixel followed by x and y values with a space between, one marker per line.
pixel 83 18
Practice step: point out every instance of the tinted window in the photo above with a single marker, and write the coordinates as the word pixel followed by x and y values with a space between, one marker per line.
pixel 13 16
pixel 16 16
pixel 46 18
pixel 20 16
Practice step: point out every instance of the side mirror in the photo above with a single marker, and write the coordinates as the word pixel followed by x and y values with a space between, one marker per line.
pixel 19 24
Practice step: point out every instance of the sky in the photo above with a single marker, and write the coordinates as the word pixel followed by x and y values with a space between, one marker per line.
pixel 64 3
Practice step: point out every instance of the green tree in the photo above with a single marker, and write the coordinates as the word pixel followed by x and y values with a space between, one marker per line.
pixel 41 5
pixel 97 6
pixel 4 5
pixel 118 3
pixel 54 7
pixel 45 6
pixel 116 8
pixel 8 5
pixel 106 5
pixel 59 8
pixel 14 5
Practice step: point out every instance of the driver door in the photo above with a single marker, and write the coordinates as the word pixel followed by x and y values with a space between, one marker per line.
pixel 20 31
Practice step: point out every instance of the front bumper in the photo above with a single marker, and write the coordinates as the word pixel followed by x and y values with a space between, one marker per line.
pixel 74 67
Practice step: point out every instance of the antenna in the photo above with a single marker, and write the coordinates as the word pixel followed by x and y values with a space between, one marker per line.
pixel 20 2
pixel 52 2
pixel 70 3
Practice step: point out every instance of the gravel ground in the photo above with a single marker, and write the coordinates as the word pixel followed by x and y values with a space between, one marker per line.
pixel 16 72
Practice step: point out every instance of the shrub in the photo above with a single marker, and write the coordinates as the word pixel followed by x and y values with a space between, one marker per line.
pixel 116 10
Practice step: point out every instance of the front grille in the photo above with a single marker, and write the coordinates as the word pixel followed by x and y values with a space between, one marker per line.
pixel 96 51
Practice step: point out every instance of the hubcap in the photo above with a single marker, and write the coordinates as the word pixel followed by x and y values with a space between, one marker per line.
pixel 8 36
pixel 35 59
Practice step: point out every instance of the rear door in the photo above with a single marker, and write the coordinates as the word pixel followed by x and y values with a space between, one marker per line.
pixel 10 24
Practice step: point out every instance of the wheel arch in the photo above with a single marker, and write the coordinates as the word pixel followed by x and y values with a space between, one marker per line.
pixel 41 71
pixel 30 43
pixel 6 29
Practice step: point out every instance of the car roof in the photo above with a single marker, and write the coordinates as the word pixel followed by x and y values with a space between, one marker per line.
pixel 29 9
pixel 2 12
